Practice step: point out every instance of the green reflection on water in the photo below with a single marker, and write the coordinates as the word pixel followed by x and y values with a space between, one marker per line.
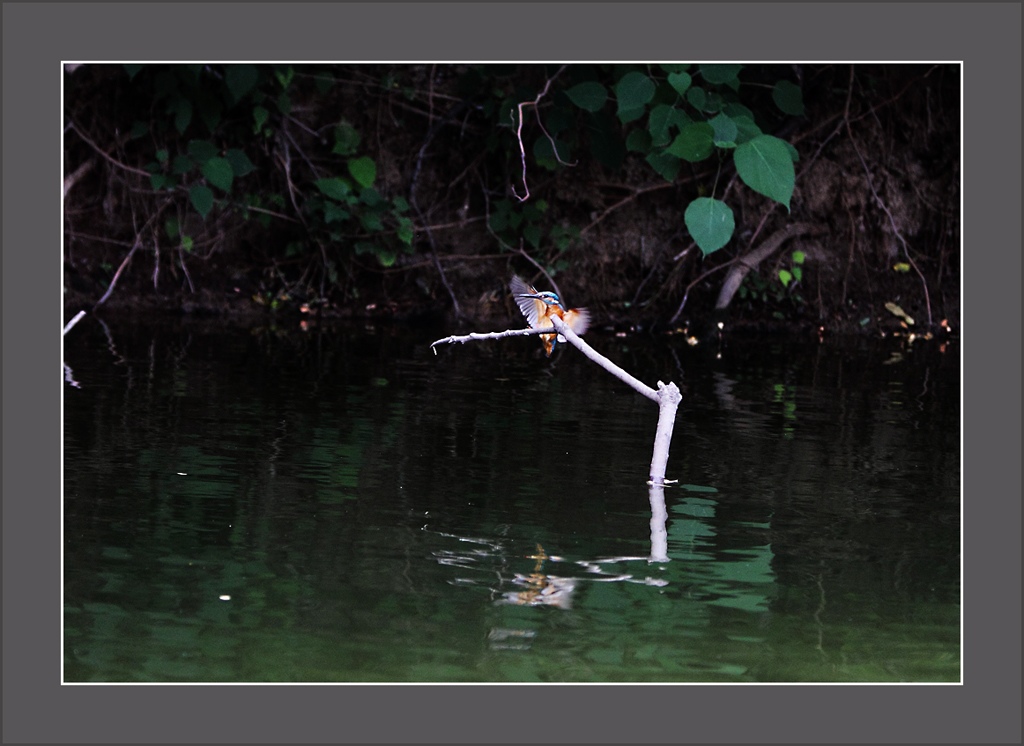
pixel 264 510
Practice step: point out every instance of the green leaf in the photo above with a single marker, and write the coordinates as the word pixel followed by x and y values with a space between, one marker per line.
pixel 696 97
pixel 736 110
pixel 694 143
pixel 714 103
pixel 335 213
pixel 666 164
pixel 631 115
pixel 719 74
pixel 725 129
pixel 371 197
pixel 400 204
pixel 405 231
pixel 202 150
pixel 187 242
pixel 746 129
pixel 240 79
pixel 589 96
pixel 171 228
pixel 371 221
pixel 218 172
pixel 633 91
pixel 710 222
pixel 132 70
pixel 680 82
pixel 785 277
pixel 662 117
pixel 259 117
pixel 765 165
pixel 181 164
pixel 363 170
pixel 638 141
pixel 335 188
pixel 182 110
pixel 284 75
pixel 346 139
pixel 159 181
pixel 240 162
pixel 202 199
pixel 788 97
pixel 799 257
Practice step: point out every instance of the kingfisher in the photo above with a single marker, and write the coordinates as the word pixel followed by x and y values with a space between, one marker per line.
pixel 539 307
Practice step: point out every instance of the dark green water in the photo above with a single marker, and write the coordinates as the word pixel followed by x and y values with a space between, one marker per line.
pixel 343 506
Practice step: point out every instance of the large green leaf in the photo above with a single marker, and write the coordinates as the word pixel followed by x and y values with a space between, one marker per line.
pixel 589 96
pixel 694 143
pixel 765 165
pixel 710 222
pixel 363 170
pixel 634 91
pixel 218 172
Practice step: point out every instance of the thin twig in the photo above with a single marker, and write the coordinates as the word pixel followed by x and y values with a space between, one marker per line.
pixel 124 263
pixel 135 247
pixel 71 179
pixel 116 162
pixel 480 336
pixel 519 133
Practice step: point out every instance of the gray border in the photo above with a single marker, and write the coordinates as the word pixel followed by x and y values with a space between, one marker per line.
pixel 37 36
